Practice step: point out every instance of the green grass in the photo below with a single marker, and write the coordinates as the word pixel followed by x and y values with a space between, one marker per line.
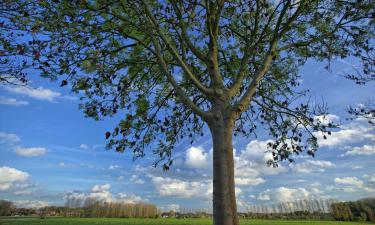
pixel 116 221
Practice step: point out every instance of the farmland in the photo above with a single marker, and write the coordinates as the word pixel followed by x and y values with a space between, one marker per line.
pixel 121 221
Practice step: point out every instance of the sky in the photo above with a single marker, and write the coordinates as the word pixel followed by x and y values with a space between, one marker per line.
pixel 50 151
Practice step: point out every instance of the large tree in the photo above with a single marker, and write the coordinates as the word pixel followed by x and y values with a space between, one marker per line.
pixel 172 67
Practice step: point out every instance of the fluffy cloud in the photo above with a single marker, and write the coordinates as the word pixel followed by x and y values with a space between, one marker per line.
pixel 101 192
pixel 254 157
pixel 350 133
pixel 364 150
pixel 372 178
pixel 30 152
pixel 10 176
pixel 357 167
pixel 114 167
pixel 285 194
pixel 326 119
pixel 39 93
pixel 12 101
pixel 312 165
pixel 130 198
pixel 197 158
pixel 182 189
pixel 84 146
pixel 353 182
pixel 249 181
pixel 31 203
pixel 101 188
pixel 169 207
pixel 7 138
pixel 136 180
pixel 250 163
pixel 264 197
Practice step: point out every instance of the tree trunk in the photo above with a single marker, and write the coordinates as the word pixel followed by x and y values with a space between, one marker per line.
pixel 224 197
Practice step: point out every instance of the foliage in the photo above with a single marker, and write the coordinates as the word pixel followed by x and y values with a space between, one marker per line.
pixel 361 210
pixel 15 57
pixel 169 74
pixel 6 208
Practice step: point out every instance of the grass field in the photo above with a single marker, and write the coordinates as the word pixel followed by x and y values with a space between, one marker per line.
pixel 111 221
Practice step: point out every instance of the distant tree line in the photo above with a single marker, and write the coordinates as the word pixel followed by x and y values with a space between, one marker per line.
pixel 89 208
pixel 305 205
pixel 296 215
pixel 119 210
pixel 361 210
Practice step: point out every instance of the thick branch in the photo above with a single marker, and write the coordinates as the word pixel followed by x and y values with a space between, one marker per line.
pixel 244 102
pixel 205 90
pixel 179 91
pixel 197 52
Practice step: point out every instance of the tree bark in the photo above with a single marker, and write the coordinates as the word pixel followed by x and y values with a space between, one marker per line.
pixel 224 197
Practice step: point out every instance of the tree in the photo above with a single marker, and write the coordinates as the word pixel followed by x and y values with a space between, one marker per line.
pixel 15 58
pixel 6 208
pixel 173 67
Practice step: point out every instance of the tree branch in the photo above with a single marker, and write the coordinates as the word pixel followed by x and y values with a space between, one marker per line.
pixel 179 91
pixel 205 90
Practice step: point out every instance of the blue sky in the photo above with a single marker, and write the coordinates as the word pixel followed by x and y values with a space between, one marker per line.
pixel 49 151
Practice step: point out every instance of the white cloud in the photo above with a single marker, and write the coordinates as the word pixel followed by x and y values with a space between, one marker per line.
pixel 12 101
pixel 130 198
pixel 84 146
pixel 249 181
pixel 250 163
pixel 364 150
pixel 197 158
pixel 352 182
pixel 136 180
pixel 39 93
pixel 372 178
pixel 254 158
pixel 102 193
pixel 101 188
pixel 326 119
pixel 285 194
pixel 5 186
pixel 264 197
pixel 7 138
pixel 9 176
pixel 30 152
pixel 312 165
pixel 357 167
pixel 182 189
pixel 170 207
pixel 114 167
pixel 31 203
pixel 354 132
pixel 22 192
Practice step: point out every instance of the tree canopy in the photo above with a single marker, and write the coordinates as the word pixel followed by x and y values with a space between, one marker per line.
pixel 165 64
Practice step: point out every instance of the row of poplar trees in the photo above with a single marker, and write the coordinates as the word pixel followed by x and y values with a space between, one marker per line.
pixel 95 208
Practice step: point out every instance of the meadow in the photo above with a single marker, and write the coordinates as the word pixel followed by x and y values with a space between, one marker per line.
pixel 121 221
